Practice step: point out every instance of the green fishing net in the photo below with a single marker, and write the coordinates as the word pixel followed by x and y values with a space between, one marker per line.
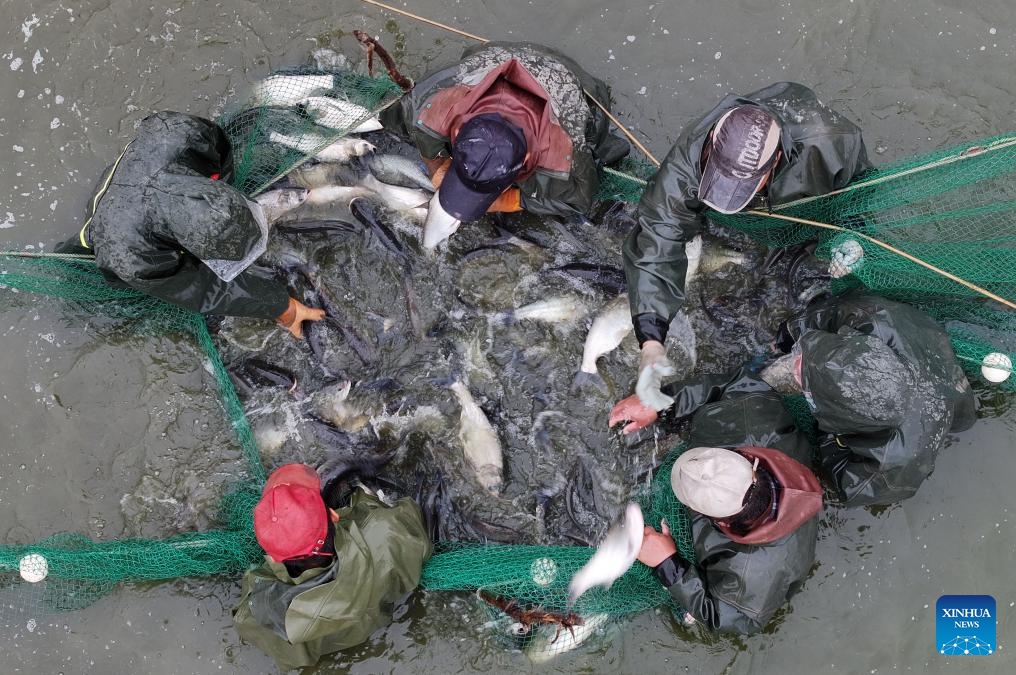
pixel 953 209
pixel 289 117
pixel 293 115
pixel 535 578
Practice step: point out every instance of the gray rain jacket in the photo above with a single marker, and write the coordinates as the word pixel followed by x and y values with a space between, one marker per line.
pixel 593 143
pixel 884 416
pixel 156 215
pixel 738 584
pixel 822 151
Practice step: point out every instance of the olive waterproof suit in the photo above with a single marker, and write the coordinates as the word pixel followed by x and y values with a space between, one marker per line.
pixel 380 551
pixel 821 151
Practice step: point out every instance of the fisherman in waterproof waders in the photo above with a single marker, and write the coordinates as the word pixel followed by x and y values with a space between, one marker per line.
pixel 165 221
pixel 330 577
pixel 770 147
pixel 880 378
pixel 508 128
pixel 755 508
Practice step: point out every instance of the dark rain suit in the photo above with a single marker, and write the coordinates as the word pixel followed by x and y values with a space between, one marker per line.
pixel 380 552
pixel 156 215
pixel 562 191
pixel 822 151
pixel 882 427
pixel 739 583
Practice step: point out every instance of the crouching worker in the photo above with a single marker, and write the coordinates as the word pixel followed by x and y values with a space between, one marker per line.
pixel 330 578
pixel 165 221
pixel 882 382
pixel 508 128
pixel 754 515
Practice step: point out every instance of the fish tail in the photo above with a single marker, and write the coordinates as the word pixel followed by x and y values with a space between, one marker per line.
pixel 584 381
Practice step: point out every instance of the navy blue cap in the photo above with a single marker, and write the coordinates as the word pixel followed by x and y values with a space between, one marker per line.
pixel 487 156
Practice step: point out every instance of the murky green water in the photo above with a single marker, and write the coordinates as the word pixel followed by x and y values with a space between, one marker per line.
pixel 85 421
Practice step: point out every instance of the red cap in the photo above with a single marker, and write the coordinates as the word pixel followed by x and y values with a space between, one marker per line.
pixel 291 519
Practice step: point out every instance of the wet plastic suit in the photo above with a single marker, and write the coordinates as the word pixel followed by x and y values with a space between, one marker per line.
pixel 542 193
pixel 880 459
pixel 737 587
pixel 380 552
pixel 822 151
pixel 155 214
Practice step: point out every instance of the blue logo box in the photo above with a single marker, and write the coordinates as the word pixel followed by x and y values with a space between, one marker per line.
pixel 965 625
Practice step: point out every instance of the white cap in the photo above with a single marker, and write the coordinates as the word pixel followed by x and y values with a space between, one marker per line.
pixel 712 481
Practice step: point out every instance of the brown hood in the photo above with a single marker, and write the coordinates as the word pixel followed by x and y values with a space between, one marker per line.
pixel 800 496
pixel 513 93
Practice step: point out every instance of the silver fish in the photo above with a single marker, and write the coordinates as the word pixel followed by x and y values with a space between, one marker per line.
pixel 394 196
pixel 322 174
pixel 331 404
pixel 332 194
pixel 708 258
pixel 401 171
pixel 322 148
pixel 335 113
pixel 276 203
pixel 553 310
pixel 479 441
pixel 614 556
pixel 609 328
pixel 439 226
pixel 548 642
pixel 288 90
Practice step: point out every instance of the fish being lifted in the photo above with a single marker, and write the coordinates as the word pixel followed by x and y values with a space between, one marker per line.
pixel 479 441
pixel 614 556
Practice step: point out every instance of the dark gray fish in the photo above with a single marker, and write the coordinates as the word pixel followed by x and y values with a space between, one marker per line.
pixel 398 170
pixel 412 306
pixel 320 297
pixel 388 143
pixel 372 215
pixel 317 226
pixel 314 331
pixel 255 373
pixel 347 463
pixel 607 278
pixel 434 501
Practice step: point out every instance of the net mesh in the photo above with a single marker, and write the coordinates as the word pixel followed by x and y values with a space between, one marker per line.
pixel 71 570
pixel 293 115
pixel 535 578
